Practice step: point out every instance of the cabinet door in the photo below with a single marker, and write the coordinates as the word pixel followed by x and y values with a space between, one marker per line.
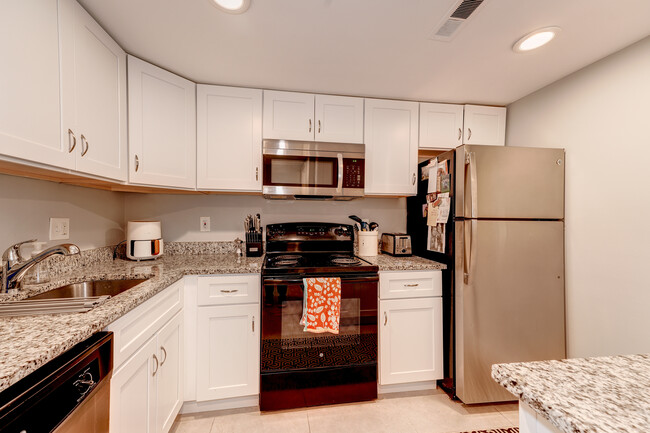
pixel 485 125
pixel 170 374
pixel 288 115
pixel 93 93
pixel 441 126
pixel 229 138
pixel 339 119
pixel 228 354
pixel 410 340
pixel 133 393
pixel 30 111
pixel 391 137
pixel 162 127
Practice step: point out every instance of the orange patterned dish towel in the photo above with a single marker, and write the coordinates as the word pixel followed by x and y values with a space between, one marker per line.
pixel 321 306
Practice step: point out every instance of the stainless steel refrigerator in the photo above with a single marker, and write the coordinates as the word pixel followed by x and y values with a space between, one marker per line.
pixel 503 294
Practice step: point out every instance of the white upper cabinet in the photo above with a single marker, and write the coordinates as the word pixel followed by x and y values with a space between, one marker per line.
pixel 391 138
pixel 441 126
pixel 288 115
pixel 307 117
pixel 485 125
pixel 339 119
pixel 229 138
pixel 93 94
pixel 30 107
pixel 162 127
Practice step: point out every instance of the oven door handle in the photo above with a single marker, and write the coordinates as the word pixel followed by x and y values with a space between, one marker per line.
pixel 339 187
pixel 370 278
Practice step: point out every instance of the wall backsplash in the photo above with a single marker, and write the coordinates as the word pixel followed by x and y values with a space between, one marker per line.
pixel 180 213
pixel 26 205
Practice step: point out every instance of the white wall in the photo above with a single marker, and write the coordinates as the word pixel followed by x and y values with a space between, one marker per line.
pixel 180 213
pixel 601 116
pixel 26 205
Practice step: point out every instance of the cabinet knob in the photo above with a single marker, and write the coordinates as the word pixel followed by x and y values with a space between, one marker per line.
pixel 469 133
pixel 84 145
pixel 137 163
pixel 74 141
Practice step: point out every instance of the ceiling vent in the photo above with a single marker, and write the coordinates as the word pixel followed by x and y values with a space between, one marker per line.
pixel 454 19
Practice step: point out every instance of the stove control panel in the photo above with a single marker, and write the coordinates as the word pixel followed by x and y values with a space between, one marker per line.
pixel 308 231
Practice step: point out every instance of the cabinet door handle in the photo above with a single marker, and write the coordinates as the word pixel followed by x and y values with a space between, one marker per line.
pixel 155 358
pixel 74 141
pixel 411 285
pixel 229 291
pixel 164 353
pixel 257 173
pixel 385 318
pixel 309 125
pixel 319 126
pixel 137 163
pixel 84 141
pixel 460 133
pixel 469 133
pixel 253 324
pixel 413 178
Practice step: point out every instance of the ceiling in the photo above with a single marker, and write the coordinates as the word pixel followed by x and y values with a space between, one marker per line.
pixel 373 48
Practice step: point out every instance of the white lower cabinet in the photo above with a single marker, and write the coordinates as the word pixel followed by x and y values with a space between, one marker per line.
pixel 147 386
pixel 228 351
pixel 410 332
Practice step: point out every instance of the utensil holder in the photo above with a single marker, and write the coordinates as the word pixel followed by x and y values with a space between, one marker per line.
pixel 368 243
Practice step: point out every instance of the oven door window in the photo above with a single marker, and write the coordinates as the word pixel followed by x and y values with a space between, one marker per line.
pixel 285 344
pixel 300 171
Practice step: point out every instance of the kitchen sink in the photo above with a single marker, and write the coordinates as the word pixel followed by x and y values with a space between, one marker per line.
pixel 89 289
pixel 72 298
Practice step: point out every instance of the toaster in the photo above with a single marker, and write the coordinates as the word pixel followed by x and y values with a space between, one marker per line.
pixel 396 244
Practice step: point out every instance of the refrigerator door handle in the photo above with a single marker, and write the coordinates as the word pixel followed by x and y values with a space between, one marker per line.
pixel 470 231
pixel 470 160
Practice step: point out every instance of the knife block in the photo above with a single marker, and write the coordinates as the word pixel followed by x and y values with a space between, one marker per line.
pixel 254 244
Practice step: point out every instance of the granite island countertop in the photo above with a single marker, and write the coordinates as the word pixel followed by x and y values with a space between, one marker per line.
pixel 584 395
pixel 403 263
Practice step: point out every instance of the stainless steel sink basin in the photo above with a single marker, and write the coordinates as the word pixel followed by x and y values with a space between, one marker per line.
pixel 73 298
pixel 89 289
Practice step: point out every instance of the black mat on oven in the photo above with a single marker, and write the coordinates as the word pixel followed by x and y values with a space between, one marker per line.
pixel 321 351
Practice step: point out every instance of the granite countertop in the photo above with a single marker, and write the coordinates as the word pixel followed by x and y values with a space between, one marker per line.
pixel 28 342
pixel 587 395
pixel 404 263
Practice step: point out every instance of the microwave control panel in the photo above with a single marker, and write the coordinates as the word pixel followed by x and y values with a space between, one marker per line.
pixel 353 173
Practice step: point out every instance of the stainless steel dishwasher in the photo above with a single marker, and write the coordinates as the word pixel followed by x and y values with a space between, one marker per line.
pixel 69 394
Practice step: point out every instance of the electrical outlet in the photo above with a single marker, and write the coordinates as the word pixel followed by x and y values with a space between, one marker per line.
pixel 59 228
pixel 205 224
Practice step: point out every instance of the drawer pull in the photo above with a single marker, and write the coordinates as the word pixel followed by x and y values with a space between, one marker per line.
pixel 229 291
pixel 411 285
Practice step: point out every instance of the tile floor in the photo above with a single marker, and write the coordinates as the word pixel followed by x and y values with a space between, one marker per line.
pixel 421 412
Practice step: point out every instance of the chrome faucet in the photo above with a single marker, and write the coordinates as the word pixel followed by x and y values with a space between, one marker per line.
pixel 15 266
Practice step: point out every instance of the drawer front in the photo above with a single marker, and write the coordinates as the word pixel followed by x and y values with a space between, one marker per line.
pixel 228 289
pixel 138 325
pixel 410 284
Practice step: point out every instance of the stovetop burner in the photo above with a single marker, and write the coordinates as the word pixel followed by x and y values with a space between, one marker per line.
pixel 344 260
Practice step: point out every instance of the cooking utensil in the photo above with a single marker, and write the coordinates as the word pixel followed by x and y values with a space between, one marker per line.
pixel 373 225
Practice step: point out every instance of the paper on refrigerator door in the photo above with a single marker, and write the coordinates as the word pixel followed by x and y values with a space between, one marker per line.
pixel 432 215
pixel 433 183
pixel 443 205
pixel 436 238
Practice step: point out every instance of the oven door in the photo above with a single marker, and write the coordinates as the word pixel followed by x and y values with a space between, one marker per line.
pixel 285 344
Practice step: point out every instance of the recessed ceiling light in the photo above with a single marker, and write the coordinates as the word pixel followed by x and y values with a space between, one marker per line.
pixel 535 39
pixel 232 6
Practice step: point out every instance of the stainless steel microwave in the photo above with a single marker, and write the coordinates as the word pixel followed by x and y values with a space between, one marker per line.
pixel 312 170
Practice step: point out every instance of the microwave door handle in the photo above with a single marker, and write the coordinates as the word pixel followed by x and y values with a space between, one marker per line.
pixel 339 188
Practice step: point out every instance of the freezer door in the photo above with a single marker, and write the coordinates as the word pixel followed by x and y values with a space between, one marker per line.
pixel 509 300
pixel 509 182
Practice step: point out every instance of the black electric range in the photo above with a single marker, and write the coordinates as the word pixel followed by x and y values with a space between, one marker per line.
pixel 300 368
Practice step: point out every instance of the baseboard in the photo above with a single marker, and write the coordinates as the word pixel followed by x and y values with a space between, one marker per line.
pixel 226 403
pixel 406 387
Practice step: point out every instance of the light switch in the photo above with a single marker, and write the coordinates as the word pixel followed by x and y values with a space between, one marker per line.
pixel 205 224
